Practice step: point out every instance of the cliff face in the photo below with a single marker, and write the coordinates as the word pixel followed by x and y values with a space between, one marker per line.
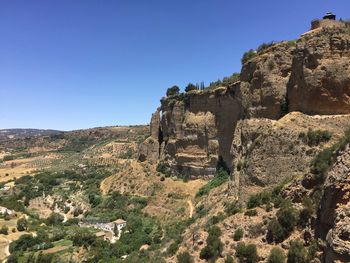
pixel 334 216
pixel 320 79
pixel 312 75
pixel 196 131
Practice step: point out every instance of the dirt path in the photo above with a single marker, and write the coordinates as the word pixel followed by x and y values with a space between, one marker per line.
pixel 189 202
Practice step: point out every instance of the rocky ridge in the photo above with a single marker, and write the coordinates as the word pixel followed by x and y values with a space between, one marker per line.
pixel 311 75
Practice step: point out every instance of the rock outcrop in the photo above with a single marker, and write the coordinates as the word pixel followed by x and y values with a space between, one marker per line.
pixel 334 215
pixel 320 78
pixel 311 75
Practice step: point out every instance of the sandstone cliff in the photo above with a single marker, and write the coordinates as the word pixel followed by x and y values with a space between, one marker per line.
pixel 311 75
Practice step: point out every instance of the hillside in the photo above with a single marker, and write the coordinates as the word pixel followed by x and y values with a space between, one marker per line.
pixel 253 168
pixel 6 134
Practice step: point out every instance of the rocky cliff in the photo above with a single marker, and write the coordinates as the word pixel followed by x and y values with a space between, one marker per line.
pixel 311 75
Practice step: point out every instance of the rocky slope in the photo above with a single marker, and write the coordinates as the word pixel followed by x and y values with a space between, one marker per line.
pixel 334 214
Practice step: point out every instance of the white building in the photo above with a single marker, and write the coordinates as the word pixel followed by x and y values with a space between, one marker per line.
pixel 110 228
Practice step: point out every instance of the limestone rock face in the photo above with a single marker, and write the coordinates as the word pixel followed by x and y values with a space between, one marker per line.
pixel 198 130
pixel 320 79
pixel 334 214
pixel 192 130
pixel 264 81
pixel 150 148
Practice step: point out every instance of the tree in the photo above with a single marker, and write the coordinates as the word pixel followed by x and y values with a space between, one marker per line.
pixel 190 87
pixel 229 259
pixel 174 90
pixel 4 230
pixel 214 245
pixel 247 253
pixel 184 257
pixel 22 224
pixel 275 232
pixel 248 56
pixel 287 216
pixel 238 234
pixel 297 252
pixel 83 237
pixel 55 219
pixel 277 255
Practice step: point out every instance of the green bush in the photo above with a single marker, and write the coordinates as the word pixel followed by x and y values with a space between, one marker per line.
pixel 163 168
pixel 22 224
pixel 315 137
pixel 275 232
pixel 174 90
pixel 324 159
pixel 251 212
pixel 214 245
pixel 8 158
pixel 184 257
pixel 247 253
pixel 307 211
pixel 264 46
pixel 249 55
pixel 190 87
pixel 54 219
pixel 83 237
pixel 297 252
pixel 232 208
pixel 4 230
pixel 219 178
pixel 237 236
pixel 287 216
pixel 277 255
pixel 259 199
pixel 229 259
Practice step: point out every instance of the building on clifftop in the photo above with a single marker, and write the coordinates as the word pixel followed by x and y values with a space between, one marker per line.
pixel 329 20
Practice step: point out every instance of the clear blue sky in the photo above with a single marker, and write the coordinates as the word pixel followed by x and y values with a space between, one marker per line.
pixel 70 64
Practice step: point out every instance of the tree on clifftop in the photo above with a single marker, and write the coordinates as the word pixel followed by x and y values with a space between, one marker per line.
pixel 174 90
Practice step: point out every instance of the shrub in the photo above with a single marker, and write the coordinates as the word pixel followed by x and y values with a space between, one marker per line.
pixel 307 211
pixel 54 219
pixel 264 46
pixel 229 259
pixel 190 87
pixel 251 212
pixel 259 199
pixel 324 159
pixel 237 236
pixel 8 158
pixel 22 224
pixel 219 178
pixel 250 54
pixel 277 255
pixel 287 216
pixel 247 253
pixel 163 168
pixel 297 252
pixel 314 138
pixel 275 232
pixel 82 237
pixel 214 245
pixel 184 257
pixel 174 90
pixel 4 230
pixel 232 208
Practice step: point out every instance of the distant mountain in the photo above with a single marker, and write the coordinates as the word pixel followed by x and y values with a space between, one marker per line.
pixel 24 133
